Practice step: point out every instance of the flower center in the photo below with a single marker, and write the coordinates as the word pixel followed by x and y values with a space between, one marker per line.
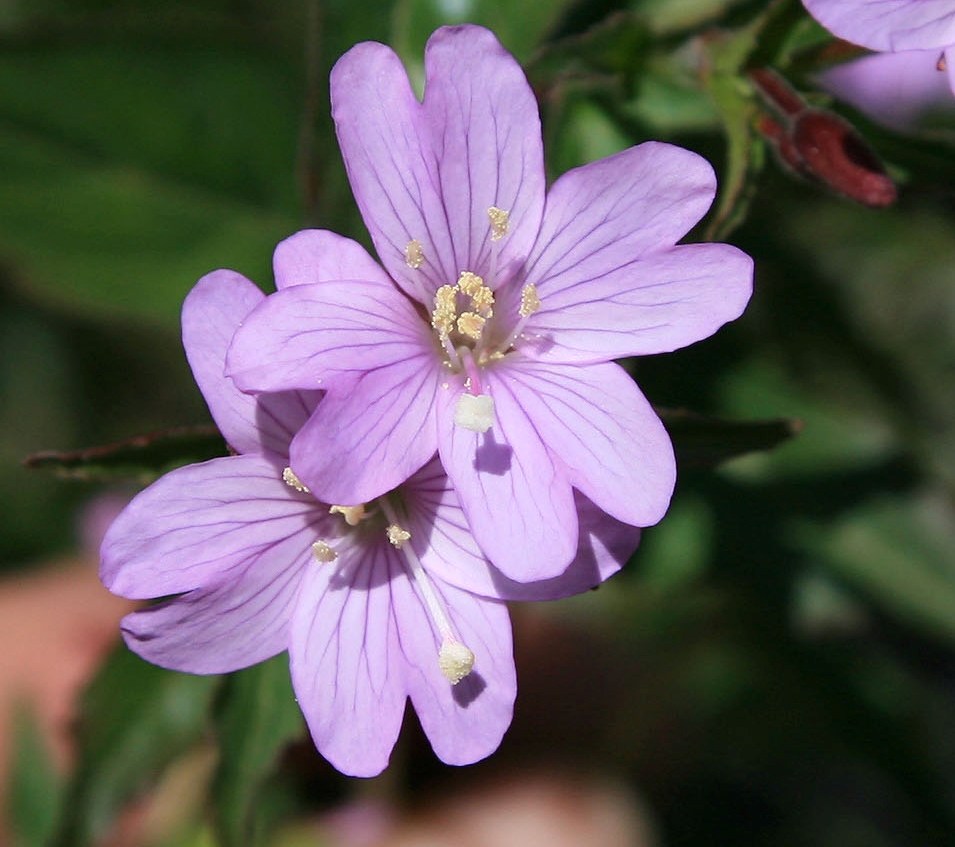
pixel 463 321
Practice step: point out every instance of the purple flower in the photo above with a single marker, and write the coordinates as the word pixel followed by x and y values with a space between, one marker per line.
pixel 897 90
pixel 375 603
pixel 495 346
pixel 894 26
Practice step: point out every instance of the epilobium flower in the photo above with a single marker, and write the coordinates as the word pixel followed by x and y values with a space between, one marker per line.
pixel 375 602
pixel 925 28
pixel 495 346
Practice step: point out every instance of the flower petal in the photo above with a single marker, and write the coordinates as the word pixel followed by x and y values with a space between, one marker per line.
pixel 346 662
pixel 310 336
pixel 317 255
pixel 363 442
pixel 200 525
pixel 211 313
pixel 654 304
pixel 888 24
pixel 464 722
pixel 606 214
pixel 430 171
pixel 447 549
pixel 242 621
pixel 518 503
pixel 603 433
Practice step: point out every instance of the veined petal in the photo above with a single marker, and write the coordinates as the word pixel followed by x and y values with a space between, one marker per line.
pixel 366 440
pixel 203 524
pixel 655 304
pixel 211 313
pixel 240 621
pixel 518 503
pixel 309 336
pixel 428 172
pixel 346 662
pixel 606 214
pixel 888 24
pixel 603 433
pixel 317 255
pixel 449 552
pixel 464 722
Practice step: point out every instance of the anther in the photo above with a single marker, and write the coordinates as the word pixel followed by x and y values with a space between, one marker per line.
pixel 445 309
pixel 397 535
pixel 323 553
pixel 500 222
pixel 455 660
pixel 353 515
pixel 414 255
pixel 471 324
pixel 530 302
pixel 474 412
pixel 290 479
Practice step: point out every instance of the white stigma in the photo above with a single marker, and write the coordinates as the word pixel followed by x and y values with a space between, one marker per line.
pixel 455 660
pixel 290 479
pixel 323 553
pixel 397 535
pixel 353 515
pixel 474 412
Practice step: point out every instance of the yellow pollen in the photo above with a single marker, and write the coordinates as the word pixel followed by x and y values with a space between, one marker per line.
pixel 323 553
pixel 469 283
pixel 290 479
pixel 500 222
pixel 482 300
pixel 414 255
pixel 445 309
pixel 470 324
pixel 455 660
pixel 397 536
pixel 530 302
pixel 353 515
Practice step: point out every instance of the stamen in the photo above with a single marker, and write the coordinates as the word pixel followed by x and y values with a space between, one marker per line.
pixel 445 310
pixel 323 553
pixel 454 658
pixel 530 302
pixel 500 222
pixel 397 535
pixel 290 479
pixel 471 324
pixel 474 412
pixel 353 515
pixel 414 255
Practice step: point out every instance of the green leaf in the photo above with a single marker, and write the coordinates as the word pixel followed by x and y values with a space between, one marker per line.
pixel 142 458
pixel 901 554
pixel 135 720
pixel 706 441
pixel 257 718
pixel 34 788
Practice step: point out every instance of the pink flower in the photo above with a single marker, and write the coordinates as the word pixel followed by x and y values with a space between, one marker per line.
pixel 375 603
pixel 894 26
pixel 490 333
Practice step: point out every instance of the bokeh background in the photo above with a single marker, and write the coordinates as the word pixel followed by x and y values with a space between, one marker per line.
pixel 776 664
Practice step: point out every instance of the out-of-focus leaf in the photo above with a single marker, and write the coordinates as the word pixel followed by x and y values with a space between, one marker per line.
pixel 142 458
pixel 34 788
pixel 135 719
pixel 257 718
pixel 706 441
pixel 901 554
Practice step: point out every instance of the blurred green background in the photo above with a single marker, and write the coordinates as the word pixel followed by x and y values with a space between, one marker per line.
pixel 776 665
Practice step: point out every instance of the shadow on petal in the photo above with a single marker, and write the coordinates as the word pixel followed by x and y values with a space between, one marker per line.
pixel 468 689
pixel 492 457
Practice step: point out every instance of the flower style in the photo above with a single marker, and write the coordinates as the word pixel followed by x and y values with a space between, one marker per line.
pixel 375 603
pixel 925 28
pixel 489 333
